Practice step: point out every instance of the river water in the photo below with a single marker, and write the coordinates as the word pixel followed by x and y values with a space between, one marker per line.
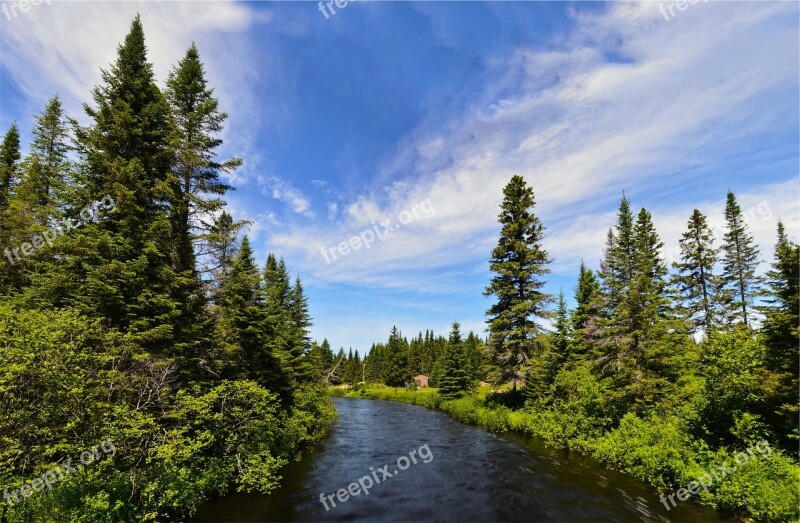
pixel 461 474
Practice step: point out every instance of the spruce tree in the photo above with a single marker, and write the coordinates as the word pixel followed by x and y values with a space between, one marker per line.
pixel 739 263
pixel 37 201
pixel 198 188
pixel 396 363
pixel 240 326
pixel 782 307
pixel 695 279
pixel 10 278
pixel 277 297
pixel 456 376
pixel 9 164
pixel 119 268
pixel 587 309
pixel 219 249
pixel 782 335
pixel 300 343
pixel 49 163
pixel 559 351
pixel 519 262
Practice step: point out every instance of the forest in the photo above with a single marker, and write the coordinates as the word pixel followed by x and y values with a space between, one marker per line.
pixel 658 371
pixel 133 315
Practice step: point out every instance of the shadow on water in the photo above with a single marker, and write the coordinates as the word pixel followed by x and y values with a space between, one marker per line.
pixel 474 475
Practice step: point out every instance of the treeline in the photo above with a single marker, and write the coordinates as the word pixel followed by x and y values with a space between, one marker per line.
pixel 710 341
pixel 132 310
pixel 398 361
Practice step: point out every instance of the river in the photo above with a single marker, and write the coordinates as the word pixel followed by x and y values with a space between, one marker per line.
pixel 457 473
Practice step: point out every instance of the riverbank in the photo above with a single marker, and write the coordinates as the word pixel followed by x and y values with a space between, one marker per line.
pixel 760 486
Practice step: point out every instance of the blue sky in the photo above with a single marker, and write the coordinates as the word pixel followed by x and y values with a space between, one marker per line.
pixel 386 107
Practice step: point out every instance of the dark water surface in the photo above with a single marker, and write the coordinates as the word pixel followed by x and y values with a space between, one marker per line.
pixel 473 475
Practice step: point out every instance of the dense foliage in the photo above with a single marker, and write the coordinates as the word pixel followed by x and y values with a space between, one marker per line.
pixel 132 312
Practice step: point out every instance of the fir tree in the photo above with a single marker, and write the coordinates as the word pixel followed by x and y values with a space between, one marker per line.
pixel 695 280
pixel 456 376
pixel 560 351
pixel 198 122
pixel 396 363
pixel 587 309
pixel 300 343
pixel 119 268
pixel 782 308
pixel 9 164
pixel 519 263
pixel 242 314
pixel 277 297
pixel 739 263
pixel 10 276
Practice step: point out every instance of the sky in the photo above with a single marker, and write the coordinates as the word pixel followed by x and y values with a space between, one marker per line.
pixel 420 112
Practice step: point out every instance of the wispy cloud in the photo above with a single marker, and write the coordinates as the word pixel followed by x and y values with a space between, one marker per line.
pixel 626 102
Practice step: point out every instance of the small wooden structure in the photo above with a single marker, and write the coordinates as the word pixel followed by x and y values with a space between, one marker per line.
pixel 421 381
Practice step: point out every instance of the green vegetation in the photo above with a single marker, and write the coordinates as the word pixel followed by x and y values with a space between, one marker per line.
pixel 144 321
pixel 656 374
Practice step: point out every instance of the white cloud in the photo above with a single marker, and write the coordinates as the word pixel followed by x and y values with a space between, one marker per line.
pixel 581 128
pixel 283 191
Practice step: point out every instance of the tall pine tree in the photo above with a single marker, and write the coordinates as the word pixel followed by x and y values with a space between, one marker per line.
pixel 739 263
pixel 519 262
pixel 695 277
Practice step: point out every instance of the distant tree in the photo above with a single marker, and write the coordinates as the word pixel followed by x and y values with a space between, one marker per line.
pixel 559 351
pixel 695 279
pixel 519 263
pixel 587 309
pixel 396 362
pixel 456 376
pixel 739 263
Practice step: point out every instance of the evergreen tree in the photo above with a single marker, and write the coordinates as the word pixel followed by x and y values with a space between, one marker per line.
pixel 9 167
pixel 739 263
pixel 456 376
pixel 242 315
pixel 695 279
pixel 396 362
pixel 119 268
pixel 220 246
pixel 300 343
pixel 587 298
pixel 48 172
pixel 519 263
pixel 559 352
pixel 277 289
pixel 34 205
pixel 9 164
pixel 782 334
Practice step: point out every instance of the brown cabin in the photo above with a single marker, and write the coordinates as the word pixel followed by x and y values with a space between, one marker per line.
pixel 421 381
